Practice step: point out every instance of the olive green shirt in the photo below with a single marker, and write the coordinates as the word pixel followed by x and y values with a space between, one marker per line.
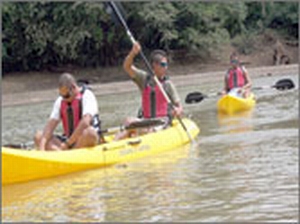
pixel 141 77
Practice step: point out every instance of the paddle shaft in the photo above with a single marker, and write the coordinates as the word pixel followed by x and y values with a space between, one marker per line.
pixel 115 129
pixel 145 123
pixel 119 15
pixel 282 84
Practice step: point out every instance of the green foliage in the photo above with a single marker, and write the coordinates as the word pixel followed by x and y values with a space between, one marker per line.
pixel 281 16
pixel 36 35
pixel 233 15
pixel 284 17
pixel 201 27
pixel 245 43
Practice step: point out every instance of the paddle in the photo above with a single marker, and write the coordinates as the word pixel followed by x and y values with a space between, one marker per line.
pixel 28 145
pixel 196 97
pixel 280 85
pixel 145 123
pixel 115 9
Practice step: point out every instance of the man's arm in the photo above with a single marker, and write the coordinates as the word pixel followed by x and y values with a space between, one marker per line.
pixel 47 133
pixel 175 100
pixel 247 78
pixel 225 85
pixel 178 110
pixel 89 109
pixel 128 62
pixel 84 123
pixel 51 124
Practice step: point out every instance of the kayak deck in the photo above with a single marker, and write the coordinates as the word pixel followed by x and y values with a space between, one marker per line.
pixel 229 104
pixel 21 166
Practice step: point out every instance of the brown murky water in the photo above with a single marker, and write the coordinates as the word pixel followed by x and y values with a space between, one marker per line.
pixel 244 168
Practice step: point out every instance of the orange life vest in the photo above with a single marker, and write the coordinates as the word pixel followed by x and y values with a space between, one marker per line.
pixel 71 113
pixel 235 78
pixel 153 101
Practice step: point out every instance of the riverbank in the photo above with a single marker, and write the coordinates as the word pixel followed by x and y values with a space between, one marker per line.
pixel 36 89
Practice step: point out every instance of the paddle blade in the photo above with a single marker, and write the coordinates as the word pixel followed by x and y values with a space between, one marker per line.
pixel 194 97
pixel 284 84
pixel 81 82
pixel 110 8
pixel 17 146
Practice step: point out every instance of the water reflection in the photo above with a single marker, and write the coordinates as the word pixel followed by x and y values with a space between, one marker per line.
pixel 236 123
pixel 99 195
pixel 243 168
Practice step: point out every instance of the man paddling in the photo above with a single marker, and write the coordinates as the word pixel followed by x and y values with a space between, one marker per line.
pixel 237 80
pixel 154 103
pixel 77 108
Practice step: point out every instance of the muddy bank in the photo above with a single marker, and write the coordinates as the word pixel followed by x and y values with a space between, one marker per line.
pixel 45 90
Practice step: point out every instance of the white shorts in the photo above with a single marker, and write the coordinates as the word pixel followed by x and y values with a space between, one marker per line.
pixel 235 92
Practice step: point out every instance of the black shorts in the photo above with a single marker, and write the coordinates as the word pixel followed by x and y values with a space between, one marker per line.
pixel 62 138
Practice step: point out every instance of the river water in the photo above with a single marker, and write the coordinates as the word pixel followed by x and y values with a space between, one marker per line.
pixel 243 168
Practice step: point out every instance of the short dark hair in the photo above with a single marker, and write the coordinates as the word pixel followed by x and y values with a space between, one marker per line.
pixel 234 55
pixel 157 55
pixel 66 79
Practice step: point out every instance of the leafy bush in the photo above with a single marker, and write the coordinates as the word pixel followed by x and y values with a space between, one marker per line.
pixel 36 35
pixel 245 43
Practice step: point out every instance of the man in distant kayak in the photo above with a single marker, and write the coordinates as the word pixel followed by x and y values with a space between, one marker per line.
pixel 77 108
pixel 154 103
pixel 237 80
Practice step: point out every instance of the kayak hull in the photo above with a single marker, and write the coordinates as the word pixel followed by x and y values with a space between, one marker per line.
pixel 231 104
pixel 26 165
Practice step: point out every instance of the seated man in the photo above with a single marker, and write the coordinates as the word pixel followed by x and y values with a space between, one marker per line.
pixel 237 80
pixel 154 103
pixel 77 108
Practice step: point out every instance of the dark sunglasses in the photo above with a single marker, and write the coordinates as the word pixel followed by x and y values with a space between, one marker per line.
pixel 234 61
pixel 164 64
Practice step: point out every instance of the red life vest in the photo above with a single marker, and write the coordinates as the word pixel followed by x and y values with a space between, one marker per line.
pixel 153 101
pixel 236 78
pixel 71 113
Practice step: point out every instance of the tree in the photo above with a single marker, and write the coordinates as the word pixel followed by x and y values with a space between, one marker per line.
pixel 38 34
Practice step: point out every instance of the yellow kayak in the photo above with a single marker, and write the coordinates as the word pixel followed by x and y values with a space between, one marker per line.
pixel 229 104
pixel 23 165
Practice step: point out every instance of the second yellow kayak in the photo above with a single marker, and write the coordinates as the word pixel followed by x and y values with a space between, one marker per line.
pixel 229 104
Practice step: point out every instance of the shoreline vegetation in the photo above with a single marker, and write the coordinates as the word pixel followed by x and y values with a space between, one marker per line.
pixel 37 36
pixel 18 90
pixel 41 40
